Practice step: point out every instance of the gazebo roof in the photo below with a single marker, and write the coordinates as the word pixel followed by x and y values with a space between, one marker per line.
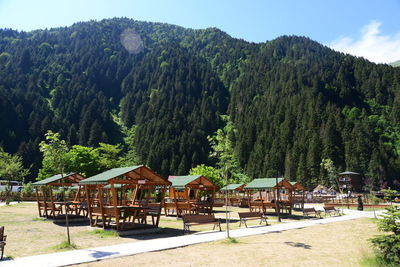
pixel 349 173
pixel 267 183
pixel 192 181
pixel 127 175
pixel 69 179
pixel 231 187
pixel 297 186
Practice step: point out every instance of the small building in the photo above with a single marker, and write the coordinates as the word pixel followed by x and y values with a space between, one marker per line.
pixel 298 195
pixel 114 209
pixel 275 193
pixel 49 204
pixel 190 194
pixel 350 181
pixel 233 193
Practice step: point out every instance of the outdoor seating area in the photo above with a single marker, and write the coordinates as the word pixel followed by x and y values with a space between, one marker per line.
pixel 232 194
pixel 270 193
pixel 108 206
pixel 192 194
pixel 51 204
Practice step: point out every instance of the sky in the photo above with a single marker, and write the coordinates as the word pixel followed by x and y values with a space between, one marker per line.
pixel 364 28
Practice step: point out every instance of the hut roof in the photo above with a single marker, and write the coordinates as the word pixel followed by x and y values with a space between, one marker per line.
pixel 231 187
pixel 268 183
pixel 297 186
pixel 349 173
pixel 55 180
pixel 321 188
pixel 127 175
pixel 193 181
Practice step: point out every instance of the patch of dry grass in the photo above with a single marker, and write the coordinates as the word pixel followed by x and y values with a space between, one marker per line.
pixel 338 244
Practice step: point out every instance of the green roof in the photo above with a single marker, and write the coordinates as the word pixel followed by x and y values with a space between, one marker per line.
pixel 230 187
pixel 51 179
pixel 262 183
pixel 179 182
pixel 104 177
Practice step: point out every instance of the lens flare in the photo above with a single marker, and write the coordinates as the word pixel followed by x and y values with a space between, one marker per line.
pixel 131 41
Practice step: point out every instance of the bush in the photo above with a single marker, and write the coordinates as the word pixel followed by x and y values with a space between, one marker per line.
pixel 388 245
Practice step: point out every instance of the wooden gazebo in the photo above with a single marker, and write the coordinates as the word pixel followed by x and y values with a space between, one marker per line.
pixel 114 209
pixel 232 193
pixel 269 194
pixel 298 194
pixel 350 181
pixel 50 205
pixel 185 196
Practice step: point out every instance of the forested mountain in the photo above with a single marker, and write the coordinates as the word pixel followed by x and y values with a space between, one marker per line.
pixel 395 64
pixel 292 101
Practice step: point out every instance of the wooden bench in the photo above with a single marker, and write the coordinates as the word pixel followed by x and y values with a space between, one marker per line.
pixel 245 216
pixel 331 210
pixel 190 220
pixel 3 238
pixel 308 211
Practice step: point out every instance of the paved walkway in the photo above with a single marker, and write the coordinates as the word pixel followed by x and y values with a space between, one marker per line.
pixel 100 253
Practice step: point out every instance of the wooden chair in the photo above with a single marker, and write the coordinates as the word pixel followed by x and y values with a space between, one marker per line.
pixel 2 241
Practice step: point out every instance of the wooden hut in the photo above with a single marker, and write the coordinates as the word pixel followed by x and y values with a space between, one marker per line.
pixel 232 193
pixel 185 195
pixel 117 211
pixel 350 181
pixel 298 195
pixel 275 193
pixel 50 205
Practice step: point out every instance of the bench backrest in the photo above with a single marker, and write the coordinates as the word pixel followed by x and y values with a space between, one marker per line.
pixel 329 208
pixel 1 233
pixel 309 210
pixel 187 218
pixel 249 214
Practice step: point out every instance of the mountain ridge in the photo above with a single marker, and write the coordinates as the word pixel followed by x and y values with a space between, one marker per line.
pixel 71 79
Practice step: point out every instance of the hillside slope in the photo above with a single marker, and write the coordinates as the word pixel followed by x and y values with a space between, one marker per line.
pixel 292 100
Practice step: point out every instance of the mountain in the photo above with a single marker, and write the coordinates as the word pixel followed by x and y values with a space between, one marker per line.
pixel 291 100
pixel 395 64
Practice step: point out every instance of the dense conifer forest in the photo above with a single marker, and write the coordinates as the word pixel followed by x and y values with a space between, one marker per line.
pixel 291 101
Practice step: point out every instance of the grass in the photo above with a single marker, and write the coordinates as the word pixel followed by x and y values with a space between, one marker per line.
pixel 64 245
pixel 103 233
pixel 39 219
pixel 374 260
pixel 230 240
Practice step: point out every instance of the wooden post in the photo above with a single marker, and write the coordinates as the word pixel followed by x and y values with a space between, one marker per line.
pixel 248 199
pixel 134 194
pixel 100 197
pixel 44 201
pixel 176 201
pixel 52 201
pixel 277 200
pixel 161 204
pixel 38 200
pixel 89 204
pixel 115 204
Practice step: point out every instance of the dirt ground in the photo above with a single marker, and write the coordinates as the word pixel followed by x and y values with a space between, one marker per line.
pixel 28 234
pixel 337 244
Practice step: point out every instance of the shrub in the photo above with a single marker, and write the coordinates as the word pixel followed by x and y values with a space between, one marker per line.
pixel 388 245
